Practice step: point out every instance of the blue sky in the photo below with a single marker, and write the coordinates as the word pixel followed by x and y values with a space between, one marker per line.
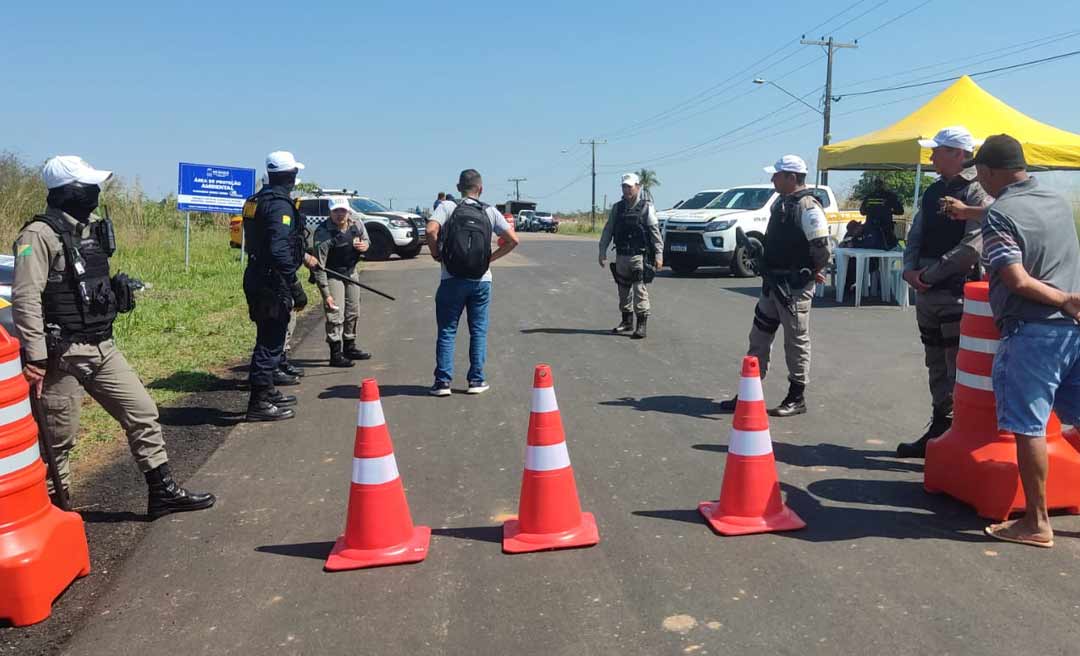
pixel 395 98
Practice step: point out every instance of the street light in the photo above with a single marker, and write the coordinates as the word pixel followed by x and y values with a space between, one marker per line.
pixel 759 80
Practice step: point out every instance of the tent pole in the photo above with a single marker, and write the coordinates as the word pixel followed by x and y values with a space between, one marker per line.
pixel 918 184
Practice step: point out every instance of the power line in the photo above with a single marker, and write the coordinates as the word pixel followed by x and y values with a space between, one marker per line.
pixel 1033 62
pixel 517 186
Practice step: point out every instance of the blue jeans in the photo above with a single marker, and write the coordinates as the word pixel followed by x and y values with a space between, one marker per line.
pixel 1036 369
pixel 455 295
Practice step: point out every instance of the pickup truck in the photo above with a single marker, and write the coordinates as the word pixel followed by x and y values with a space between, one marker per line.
pixel 706 237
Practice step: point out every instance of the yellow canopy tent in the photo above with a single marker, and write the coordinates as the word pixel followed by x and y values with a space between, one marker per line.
pixel 963 103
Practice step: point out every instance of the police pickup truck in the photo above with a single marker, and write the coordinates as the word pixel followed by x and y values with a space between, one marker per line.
pixel 706 236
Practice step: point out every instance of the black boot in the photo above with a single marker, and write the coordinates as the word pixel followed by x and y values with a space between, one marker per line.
pixel 290 369
pixel 168 497
pixel 627 323
pixel 262 408
pixel 729 405
pixel 279 399
pixel 642 323
pixel 793 403
pixel 282 378
pixel 337 356
pixel 939 423
pixel 353 353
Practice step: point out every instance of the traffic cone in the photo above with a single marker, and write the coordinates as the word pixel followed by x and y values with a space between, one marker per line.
pixel 378 527
pixel 549 513
pixel 42 548
pixel 974 461
pixel 750 500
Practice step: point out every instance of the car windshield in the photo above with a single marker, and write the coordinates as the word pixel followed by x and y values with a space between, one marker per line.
pixel 750 198
pixel 367 205
pixel 542 215
pixel 700 200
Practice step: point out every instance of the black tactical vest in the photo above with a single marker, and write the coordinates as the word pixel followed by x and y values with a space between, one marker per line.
pixel 82 302
pixel 940 233
pixel 786 246
pixel 256 214
pixel 631 228
pixel 342 257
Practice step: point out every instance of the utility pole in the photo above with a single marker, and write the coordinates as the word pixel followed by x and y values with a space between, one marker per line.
pixel 517 186
pixel 593 142
pixel 391 201
pixel 832 46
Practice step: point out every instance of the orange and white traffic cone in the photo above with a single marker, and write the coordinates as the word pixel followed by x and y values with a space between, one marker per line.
pixel 750 500
pixel 378 527
pixel 549 513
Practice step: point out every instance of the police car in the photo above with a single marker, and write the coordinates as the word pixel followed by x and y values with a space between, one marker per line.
pixel 7 277
pixel 391 232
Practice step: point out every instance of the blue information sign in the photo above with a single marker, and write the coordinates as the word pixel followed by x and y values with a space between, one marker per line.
pixel 210 188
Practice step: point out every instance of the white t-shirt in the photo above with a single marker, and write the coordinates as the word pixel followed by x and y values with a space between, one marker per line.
pixel 499 226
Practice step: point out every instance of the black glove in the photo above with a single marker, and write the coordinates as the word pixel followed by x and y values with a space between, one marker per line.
pixel 299 296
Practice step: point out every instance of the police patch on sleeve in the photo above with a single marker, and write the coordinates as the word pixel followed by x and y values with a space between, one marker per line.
pixel 286 219
pixel 23 250
pixel 814 223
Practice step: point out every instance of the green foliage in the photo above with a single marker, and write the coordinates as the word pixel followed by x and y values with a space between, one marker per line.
pixel 902 183
pixel 649 181
pixel 307 187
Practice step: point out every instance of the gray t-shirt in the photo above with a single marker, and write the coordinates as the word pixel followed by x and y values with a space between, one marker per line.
pixel 1034 227
pixel 498 225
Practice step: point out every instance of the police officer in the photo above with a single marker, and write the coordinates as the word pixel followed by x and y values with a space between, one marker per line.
pixel 64 302
pixel 639 247
pixel 941 255
pixel 339 241
pixel 796 248
pixel 879 207
pixel 274 238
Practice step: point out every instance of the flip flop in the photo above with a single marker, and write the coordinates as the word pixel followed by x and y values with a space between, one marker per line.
pixel 990 530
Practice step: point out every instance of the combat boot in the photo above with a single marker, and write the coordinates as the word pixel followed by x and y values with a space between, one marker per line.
pixel 261 408
pixel 290 369
pixel 730 404
pixel 354 353
pixel 627 324
pixel 793 404
pixel 282 378
pixel 337 356
pixel 279 399
pixel 642 324
pixel 939 423
pixel 166 496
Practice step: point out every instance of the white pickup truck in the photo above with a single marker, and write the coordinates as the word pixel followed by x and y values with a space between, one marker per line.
pixel 706 237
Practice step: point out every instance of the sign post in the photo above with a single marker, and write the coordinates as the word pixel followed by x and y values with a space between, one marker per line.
pixel 210 188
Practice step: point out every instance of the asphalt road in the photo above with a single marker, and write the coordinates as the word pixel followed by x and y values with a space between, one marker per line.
pixel 882 567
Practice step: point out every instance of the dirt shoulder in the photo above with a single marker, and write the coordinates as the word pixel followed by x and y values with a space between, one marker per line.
pixel 110 494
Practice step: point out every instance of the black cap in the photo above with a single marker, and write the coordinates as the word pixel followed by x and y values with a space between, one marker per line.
pixel 999 151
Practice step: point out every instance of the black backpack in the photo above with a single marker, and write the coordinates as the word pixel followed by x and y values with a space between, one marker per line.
pixel 465 244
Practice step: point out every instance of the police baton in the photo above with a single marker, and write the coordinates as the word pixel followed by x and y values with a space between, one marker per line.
pixel 47 452
pixel 347 279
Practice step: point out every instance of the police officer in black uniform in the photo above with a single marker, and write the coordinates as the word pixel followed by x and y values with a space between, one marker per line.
pixel 274 237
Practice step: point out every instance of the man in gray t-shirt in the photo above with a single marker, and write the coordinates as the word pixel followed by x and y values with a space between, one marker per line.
pixel 1031 251
pixel 471 295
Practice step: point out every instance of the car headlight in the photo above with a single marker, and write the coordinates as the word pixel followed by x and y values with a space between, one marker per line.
pixel 718 225
pixel 401 223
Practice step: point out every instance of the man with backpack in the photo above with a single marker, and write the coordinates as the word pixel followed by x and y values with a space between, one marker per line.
pixel 459 237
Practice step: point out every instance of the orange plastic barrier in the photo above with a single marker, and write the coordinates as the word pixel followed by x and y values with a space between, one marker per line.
pixel 974 461
pixel 42 548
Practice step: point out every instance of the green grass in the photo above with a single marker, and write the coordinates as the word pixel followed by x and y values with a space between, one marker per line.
pixel 582 226
pixel 188 327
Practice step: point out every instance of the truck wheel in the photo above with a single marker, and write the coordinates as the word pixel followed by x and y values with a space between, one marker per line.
pixel 381 246
pixel 409 252
pixel 741 264
pixel 683 269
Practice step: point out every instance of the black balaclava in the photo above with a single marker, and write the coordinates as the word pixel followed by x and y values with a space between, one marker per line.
pixel 285 179
pixel 76 198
